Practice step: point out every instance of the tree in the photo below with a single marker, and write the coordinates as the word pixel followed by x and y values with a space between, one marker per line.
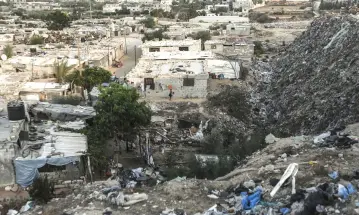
pixel 149 22
pixel 42 190
pixel 60 70
pixel 89 77
pixel 203 36
pixel 155 35
pixel 36 40
pixel 8 51
pixel 57 20
pixel 119 112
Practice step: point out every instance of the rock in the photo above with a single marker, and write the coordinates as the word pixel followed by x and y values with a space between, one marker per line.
pixel 337 211
pixel 340 155
pixel 269 168
pixel 270 138
pixel 356 211
pixel 249 184
pixel 284 155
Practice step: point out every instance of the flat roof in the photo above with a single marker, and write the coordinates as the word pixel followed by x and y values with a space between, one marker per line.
pixel 56 142
pixel 179 55
pixel 220 19
pixel 170 43
pixel 214 42
pixel 166 69
pixel 63 112
pixel 43 86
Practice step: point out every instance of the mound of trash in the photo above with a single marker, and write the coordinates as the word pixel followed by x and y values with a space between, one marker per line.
pixel 314 83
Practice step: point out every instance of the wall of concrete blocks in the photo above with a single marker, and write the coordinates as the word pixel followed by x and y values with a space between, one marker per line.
pixel 199 90
pixel 241 50
pixel 7 154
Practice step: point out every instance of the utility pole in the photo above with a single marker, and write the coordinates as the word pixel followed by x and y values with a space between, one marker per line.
pixel 108 53
pixel 135 55
pixel 90 9
pixel 79 54
pixel 125 44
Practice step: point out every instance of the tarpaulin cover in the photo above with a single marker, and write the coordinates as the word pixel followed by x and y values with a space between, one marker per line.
pixel 27 170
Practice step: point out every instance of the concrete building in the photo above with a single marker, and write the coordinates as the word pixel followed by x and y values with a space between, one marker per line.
pixel 171 46
pixel 36 6
pixel 7 39
pixel 215 46
pixel 187 79
pixel 243 49
pixel 240 48
pixel 219 19
pixel 245 5
pixel 111 8
pixel 57 153
pixel 42 91
pixel 238 29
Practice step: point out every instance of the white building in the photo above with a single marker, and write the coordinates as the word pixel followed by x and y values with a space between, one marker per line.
pixel 237 29
pixel 188 45
pixel 36 6
pixel 219 19
pixel 245 5
pixel 111 8
pixel 15 1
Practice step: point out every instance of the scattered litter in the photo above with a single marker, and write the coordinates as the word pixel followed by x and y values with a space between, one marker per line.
pixel 291 171
pixel 212 196
pixel 334 175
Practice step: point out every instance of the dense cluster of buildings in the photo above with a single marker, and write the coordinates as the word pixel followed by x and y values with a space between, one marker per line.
pixel 51 142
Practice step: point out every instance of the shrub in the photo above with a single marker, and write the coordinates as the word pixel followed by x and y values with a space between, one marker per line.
pixel 36 40
pixel 258 48
pixel 42 190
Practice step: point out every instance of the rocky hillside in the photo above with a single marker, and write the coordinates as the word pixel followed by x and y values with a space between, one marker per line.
pixel 314 83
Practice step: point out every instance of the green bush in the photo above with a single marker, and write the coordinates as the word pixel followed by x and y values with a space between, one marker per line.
pixel 36 40
pixel 42 190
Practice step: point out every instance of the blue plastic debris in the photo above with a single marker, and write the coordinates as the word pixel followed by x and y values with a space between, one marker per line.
pixel 351 189
pixel 284 211
pixel 344 192
pixel 334 175
pixel 248 202
pixel 110 189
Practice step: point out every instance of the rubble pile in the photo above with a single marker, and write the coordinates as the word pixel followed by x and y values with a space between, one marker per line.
pixel 314 82
pixel 292 175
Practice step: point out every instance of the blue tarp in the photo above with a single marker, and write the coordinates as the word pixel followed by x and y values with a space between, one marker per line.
pixel 26 170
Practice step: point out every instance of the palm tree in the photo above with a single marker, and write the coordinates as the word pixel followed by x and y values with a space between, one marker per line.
pixel 60 70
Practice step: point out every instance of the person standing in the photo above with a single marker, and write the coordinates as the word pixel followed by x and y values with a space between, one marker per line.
pixel 171 94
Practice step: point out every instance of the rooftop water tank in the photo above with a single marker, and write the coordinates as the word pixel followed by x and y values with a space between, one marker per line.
pixel 16 110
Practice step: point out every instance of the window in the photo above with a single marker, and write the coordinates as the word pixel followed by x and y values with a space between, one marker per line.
pixel 154 49
pixel 233 29
pixel 183 48
pixel 188 82
pixel 213 47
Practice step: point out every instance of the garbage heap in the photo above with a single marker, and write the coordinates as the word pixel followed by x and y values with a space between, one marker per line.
pixel 314 83
pixel 300 175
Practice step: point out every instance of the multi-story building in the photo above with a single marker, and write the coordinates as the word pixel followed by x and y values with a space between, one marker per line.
pixel 36 6
pixel 245 5
pixel 111 8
